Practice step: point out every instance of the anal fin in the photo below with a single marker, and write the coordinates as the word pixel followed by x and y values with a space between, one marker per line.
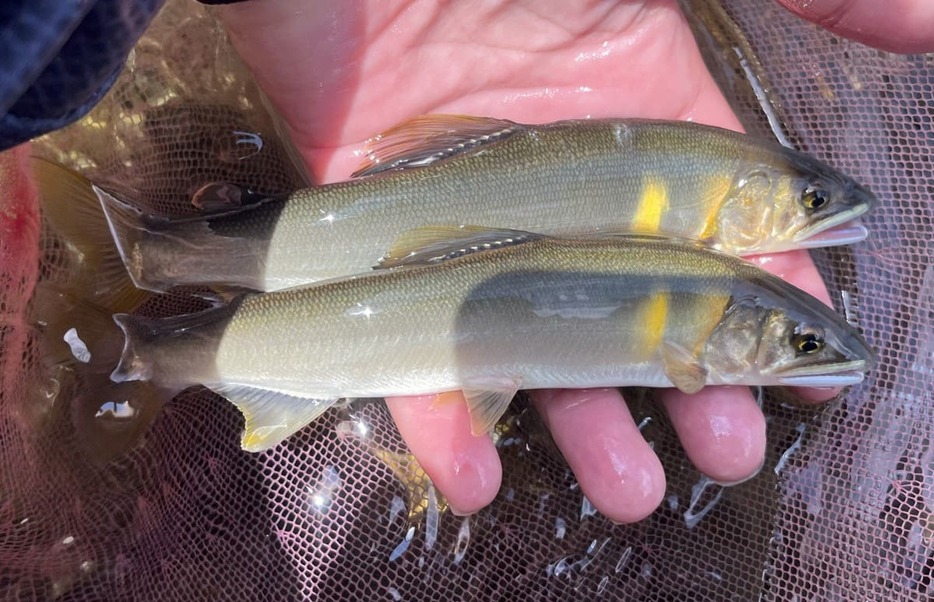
pixel 487 401
pixel 271 416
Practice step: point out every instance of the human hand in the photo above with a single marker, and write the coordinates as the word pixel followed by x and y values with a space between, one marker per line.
pixel 340 72
pixel 897 25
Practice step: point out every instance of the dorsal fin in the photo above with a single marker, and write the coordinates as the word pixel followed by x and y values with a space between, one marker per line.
pixel 423 140
pixel 433 244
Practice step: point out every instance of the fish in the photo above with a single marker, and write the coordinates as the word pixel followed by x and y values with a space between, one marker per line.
pixel 731 191
pixel 489 312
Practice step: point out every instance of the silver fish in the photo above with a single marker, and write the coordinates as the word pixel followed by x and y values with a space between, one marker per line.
pixel 529 312
pixel 733 192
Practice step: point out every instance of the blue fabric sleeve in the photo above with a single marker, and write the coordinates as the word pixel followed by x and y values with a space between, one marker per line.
pixel 58 59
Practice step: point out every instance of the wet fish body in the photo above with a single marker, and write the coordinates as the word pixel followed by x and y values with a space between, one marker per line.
pixel 731 191
pixel 535 313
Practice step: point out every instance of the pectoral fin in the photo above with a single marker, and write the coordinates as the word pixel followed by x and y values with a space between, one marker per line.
pixel 271 416
pixel 433 244
pixel 682 368
pixel 430 138
pixel 222 198
pixel 487 402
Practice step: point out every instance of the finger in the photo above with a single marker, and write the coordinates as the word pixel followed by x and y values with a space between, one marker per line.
pixel 721 429
pixel 896 25
pixel 617 470
pixel 465 469
pixel 797 268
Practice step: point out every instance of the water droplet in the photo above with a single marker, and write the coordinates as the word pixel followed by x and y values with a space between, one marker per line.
pixel 78 347
pixel 701 501
pixel 431 518
pixel 587 509
pixel 396 595
pixel 321 495
pixel 560 528
pixel 238 146
pixel 559 568
pixel 593 550
pixel 116 410
pixel 673 502
pixel 795 445
pixel 542 502
pixel 463 540
pixel 601 587
pixel 354 430
pixel 623 560
pixel 396 507
pixel 403 545
pixel 647 569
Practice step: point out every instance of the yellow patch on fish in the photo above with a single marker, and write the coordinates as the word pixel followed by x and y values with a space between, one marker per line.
pixel 784 189
pixel 654 317
pixel 652 204
pixel 448 398
pixel 715 195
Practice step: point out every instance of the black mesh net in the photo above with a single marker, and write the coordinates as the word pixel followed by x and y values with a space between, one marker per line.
pixel 342 511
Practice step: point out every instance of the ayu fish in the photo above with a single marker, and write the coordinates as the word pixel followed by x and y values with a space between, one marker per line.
pixel 727 190
pixel 528 312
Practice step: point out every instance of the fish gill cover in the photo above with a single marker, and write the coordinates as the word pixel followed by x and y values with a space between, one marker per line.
pixel 841 510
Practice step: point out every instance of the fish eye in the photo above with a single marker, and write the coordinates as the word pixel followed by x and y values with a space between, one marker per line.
pixel 807 342
pixel 814 198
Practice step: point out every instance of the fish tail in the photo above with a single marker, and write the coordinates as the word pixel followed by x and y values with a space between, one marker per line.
pixel 129 229
pixel 174 352
pixel 80 344
pixel 160 253
pixel 136 363
pixel 71 209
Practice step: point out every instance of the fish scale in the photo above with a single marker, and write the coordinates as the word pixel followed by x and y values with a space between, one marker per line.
pixel 540 312
pixel 738 194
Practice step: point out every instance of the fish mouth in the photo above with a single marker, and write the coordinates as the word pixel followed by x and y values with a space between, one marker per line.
pixel 848 232
pixel 841 375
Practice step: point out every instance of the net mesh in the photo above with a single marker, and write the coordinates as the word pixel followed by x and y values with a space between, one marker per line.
pixel 840 511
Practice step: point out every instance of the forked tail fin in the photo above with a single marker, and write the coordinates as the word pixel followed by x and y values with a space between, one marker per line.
pixel 160 253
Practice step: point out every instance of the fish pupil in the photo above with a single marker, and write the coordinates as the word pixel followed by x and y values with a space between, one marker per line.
pixel 815 198
pixel 808 343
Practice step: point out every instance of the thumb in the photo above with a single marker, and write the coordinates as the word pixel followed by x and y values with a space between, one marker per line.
pixel 904 26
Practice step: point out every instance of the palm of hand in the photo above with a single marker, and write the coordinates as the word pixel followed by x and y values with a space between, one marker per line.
pixel 341 72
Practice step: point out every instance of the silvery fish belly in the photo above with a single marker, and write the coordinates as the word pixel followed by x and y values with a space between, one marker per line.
pixel 531 312
pixel 731 191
